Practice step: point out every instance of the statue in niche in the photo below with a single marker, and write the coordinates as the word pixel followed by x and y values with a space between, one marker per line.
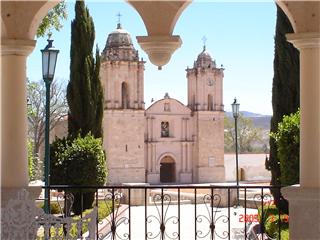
pixel 166 107
pixel 164 129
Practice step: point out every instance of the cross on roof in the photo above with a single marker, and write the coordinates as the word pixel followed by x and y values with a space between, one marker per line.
pixel 119 17
pixel 204 40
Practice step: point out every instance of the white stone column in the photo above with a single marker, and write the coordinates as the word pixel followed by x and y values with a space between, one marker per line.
pixel 135 86
pixel 14 159
pixel 182 120
pixel 149 157
pixel 309 47
pixel 117 86
pixel 147 128
pixel 182 157
pixel 189 159
pixel 111 89
pixel 203 97
pixel 154 160
pixel 138 86
pixel 187 126
pixel 185 154
pixel 141 85
pixel 105 82
pixel 304 200
pixel 221 92
pixel 152 126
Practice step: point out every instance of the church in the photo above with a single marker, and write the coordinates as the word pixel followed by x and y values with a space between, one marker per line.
pixel 168 142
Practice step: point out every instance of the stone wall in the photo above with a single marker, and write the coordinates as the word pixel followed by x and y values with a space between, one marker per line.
pixel 210 151
pixel 124 145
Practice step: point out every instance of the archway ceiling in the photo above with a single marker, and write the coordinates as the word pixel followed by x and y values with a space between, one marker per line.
pixel 159 18
pixel 20 19
pixel 303 15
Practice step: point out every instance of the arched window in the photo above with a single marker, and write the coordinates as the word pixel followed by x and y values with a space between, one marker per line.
pixel 210 102
pixel 164 129
pixel 124 95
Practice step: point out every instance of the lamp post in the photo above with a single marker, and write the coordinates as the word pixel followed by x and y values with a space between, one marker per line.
pixel 49 60
pixel 235 111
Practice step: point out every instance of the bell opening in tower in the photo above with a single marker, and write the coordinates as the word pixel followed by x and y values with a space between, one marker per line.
pixel 125 95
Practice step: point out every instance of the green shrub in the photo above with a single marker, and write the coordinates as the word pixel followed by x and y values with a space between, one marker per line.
pixel 104 210
pixel 271 222
pixel 287 139
pixel 54 208
pixel 79 162
pixel 268 210
pixel 58 161
pixel 285 234
pixel 272 225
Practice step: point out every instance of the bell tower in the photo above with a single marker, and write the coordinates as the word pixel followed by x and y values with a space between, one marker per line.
pixel 122 72
pixel 205 86
pixel 205 83
pixel 122 76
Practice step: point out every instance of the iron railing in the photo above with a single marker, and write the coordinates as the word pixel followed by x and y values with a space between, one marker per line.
pixel 176 211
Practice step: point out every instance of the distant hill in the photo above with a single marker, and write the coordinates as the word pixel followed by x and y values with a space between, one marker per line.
pixel 259 120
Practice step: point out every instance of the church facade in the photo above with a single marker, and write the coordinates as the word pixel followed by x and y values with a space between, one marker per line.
pixel 168 142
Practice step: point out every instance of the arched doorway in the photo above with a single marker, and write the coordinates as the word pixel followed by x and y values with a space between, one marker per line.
pixel 167 170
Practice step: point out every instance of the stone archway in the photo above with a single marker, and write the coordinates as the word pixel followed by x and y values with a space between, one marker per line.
pixel 167 170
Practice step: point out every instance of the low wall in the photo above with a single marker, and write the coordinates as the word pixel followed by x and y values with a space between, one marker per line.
pixel 220 197
pixel 253 166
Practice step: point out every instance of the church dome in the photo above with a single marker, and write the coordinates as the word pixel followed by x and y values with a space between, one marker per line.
pixel 204 56
pixel 119 38
pixel 205 60
pixel 119 46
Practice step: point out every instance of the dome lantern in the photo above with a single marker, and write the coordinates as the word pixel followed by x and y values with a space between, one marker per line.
pixel 204 59
pixel 119 46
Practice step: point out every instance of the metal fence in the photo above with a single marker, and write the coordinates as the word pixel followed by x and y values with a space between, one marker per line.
pixel 173 211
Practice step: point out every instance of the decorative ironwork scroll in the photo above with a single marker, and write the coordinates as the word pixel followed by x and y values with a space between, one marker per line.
pixel 115 219
pixel 162 203
pixel 209 220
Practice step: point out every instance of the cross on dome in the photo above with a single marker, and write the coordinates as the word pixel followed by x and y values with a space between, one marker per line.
pixel 119 20
pixel 204 40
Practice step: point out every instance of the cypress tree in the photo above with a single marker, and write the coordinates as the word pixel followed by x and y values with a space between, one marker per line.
pixel 285 90
pixel 84 92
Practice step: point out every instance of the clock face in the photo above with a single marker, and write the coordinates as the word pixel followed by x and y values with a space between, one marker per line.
pixel 210 82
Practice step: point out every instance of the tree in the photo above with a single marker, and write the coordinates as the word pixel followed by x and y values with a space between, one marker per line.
pixel 53 19
pixel 84 92
pixel 79 161
pixel 248 135
pixel 287 140
pixel 30 161
pixel 36 93
pixel 285 89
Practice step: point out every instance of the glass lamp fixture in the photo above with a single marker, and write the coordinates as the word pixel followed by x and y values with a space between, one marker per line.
pixel 49 60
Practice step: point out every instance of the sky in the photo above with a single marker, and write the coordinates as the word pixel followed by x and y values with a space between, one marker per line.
pixel 240 35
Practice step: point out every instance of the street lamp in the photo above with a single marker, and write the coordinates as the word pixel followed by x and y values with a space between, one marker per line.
pixel 49 60
pixel 235 111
